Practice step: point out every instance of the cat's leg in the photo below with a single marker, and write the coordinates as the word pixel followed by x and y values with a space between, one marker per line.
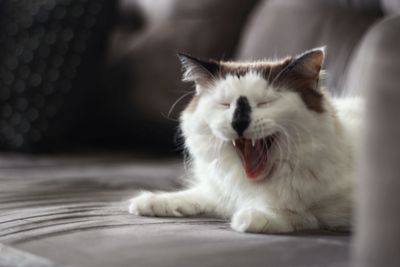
pixel 172 204
pixel 334 216
pixel 271 221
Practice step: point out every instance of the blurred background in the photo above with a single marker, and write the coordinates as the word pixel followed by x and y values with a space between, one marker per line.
pixel 103 76
pixel 84 75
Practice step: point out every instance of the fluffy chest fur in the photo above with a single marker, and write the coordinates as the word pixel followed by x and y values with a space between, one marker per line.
pixel 268 147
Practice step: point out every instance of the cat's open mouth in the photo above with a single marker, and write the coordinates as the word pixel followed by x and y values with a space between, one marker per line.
pixel 254 154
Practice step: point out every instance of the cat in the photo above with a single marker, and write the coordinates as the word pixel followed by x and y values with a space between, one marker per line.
pixel 269 148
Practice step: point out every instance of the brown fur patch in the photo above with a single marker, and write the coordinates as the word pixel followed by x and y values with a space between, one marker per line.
pixel 304 81
pixel 313 99
pixel 276 73
pixel 269 70
pixel 279 74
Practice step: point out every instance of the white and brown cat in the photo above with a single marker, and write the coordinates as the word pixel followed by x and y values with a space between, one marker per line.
pixel 270 150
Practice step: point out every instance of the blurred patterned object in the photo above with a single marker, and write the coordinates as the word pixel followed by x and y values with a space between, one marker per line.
pixel 146 94
pixel 50 53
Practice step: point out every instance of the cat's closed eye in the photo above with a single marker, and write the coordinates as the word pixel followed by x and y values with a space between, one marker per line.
pixel 225 104
pixel 263 104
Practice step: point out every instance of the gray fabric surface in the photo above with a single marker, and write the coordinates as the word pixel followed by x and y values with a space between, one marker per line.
pixel 377 241
pixel 365 5
pixel 283 27
pixel 11 257
pixel 391 6
pixel 73 211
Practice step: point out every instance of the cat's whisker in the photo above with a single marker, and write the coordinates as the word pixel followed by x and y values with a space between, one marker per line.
pixel 171 109
pixel 281 151
pixel 296 125
pixel 286 140
pixel 168 118
pixel 269 75
pixel 296 155
pixel 263 132
pixel 291 155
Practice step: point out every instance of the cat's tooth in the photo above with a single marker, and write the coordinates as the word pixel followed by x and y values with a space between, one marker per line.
pixel 253 142
pixel 233 143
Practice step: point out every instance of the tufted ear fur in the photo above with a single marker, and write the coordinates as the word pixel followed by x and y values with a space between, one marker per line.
pixel 304 68
pixel 201 72
pixel 302 75
pixel 310 62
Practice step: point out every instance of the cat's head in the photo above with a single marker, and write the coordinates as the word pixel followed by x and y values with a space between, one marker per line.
pixel 247 106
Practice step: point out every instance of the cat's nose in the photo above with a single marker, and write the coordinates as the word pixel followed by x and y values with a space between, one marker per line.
pixel 241 115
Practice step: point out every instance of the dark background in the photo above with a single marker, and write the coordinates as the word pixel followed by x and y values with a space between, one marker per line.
pixel 100 75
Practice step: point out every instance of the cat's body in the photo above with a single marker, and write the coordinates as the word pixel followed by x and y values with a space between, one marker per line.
pixel 269 149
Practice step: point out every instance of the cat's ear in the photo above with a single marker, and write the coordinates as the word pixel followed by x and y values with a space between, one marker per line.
pixel 303 70
pixel 200 71
pixel 310 62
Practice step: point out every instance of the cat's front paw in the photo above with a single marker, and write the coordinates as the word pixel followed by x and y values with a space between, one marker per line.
pixel 162 205
pixel 257 221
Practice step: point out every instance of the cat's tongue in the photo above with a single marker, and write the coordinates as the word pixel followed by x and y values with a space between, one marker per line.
pixel 253 155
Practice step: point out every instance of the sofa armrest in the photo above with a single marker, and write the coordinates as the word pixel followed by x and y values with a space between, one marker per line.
pixel 377 72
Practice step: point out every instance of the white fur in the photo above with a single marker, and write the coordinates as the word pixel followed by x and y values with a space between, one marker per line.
pixel 312 184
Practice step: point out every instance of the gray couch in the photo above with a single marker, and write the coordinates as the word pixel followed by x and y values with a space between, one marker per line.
pixel 71 210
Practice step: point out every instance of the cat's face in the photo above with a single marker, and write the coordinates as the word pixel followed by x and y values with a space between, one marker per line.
pixel 247 105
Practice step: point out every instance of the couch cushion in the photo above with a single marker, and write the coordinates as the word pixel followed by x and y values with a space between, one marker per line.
pixel 376 72
pixel 72 211
pixel 284 27
pixel 391 6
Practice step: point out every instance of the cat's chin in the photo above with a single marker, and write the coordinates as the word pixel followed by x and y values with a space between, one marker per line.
pixel 255 155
